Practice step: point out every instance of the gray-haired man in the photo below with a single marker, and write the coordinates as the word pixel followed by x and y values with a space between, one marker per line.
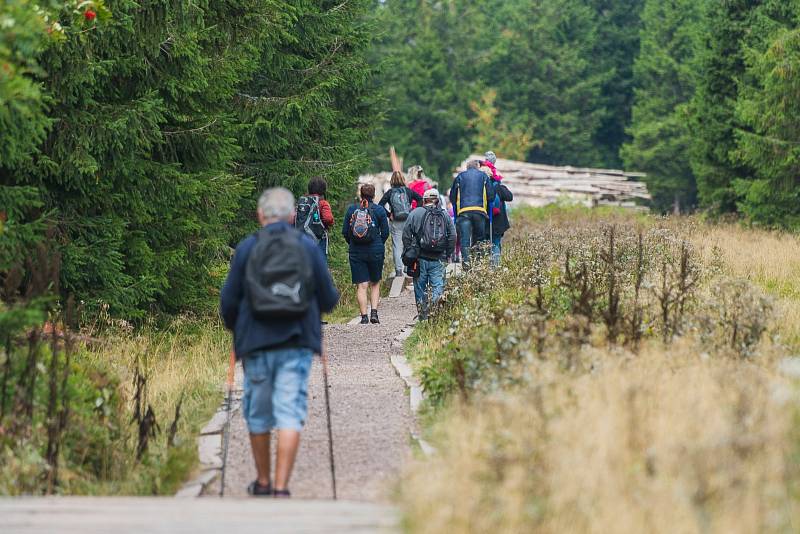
pixel 275 349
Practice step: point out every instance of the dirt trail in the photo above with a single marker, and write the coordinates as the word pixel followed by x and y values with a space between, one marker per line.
pixel 369 411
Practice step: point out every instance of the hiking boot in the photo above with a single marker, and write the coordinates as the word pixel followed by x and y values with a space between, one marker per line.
pixel 282 494
pixel 373 318
pixel 364 319
pixel 257 490
pixel 399 272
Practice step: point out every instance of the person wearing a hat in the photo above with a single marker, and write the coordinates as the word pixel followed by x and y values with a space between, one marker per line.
pixel 430 236
pixel 499 215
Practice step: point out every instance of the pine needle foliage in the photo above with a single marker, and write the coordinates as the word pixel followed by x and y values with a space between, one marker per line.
pixel 155 127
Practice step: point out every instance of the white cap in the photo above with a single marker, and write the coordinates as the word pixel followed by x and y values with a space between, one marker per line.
pixel 431 193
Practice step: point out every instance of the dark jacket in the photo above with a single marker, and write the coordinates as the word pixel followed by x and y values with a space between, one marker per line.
pixel 412 196
pixel 381 219
pixel 500 222
pixel 250 334
pixel 413 230
pixel 472 190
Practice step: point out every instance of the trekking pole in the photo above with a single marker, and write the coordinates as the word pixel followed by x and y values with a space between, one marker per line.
pixel 226 437
pixel 328 414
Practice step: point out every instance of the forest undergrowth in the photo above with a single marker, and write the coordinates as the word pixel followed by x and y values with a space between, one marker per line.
pixel 618 373
pixel 107 409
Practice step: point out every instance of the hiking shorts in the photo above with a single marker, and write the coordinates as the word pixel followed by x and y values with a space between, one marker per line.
pixel 366 265
pixel 276 389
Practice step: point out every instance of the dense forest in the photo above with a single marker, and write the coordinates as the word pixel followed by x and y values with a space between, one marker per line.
pixel 700 94
pixel 134 136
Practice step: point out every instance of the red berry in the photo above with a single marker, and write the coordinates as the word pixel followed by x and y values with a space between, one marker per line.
pixel 89 15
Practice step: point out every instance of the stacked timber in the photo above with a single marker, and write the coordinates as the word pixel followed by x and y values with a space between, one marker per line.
pixel 534 184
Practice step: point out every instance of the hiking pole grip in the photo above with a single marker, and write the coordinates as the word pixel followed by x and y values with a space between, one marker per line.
pixel 324 356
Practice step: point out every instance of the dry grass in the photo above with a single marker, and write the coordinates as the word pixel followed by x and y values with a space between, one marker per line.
pixel 186 359
pixel 647 444
pixel 658 438
pixel 769 259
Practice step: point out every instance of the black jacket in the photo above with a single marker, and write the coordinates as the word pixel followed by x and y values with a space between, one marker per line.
pixel 413 230
pixel 500 222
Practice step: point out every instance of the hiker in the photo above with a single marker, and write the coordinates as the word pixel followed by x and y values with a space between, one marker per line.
pixel 399 198
pixel 431 234
pixel 366 229
pixel 276 290
pixel 314 214
pixel 470 195
pixel 500 223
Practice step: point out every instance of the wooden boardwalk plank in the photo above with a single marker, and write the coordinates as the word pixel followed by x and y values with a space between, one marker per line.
pixel 122 515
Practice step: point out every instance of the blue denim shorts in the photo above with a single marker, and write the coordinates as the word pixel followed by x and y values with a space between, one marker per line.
pixel 275 389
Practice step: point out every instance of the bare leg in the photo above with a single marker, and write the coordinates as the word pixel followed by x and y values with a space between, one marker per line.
pixel 361 296
pixel 288 443
pixel 374 295
pixel 260 446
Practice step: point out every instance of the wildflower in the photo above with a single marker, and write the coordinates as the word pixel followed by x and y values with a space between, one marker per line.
pixel 90 15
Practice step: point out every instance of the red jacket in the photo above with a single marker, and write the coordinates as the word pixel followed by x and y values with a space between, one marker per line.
pixel 325 212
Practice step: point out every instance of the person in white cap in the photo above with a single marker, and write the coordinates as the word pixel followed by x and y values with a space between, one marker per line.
pixel 430 236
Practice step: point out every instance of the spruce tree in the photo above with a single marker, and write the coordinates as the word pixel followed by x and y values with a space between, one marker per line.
pixel 731 28
pixel 308 109
pixel 547 79
pixel 23 124
pixel 615 49
pixel 137 166
pixel 769 140
pixel 665 76
pixel 429 76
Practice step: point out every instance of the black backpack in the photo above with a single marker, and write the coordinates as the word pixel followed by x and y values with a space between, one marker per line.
pixel 401 205
pixel 279 275
pixel 308 218
pixel 363 227
pixel 435 231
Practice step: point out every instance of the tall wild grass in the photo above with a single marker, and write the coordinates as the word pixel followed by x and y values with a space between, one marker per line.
pixel 617 374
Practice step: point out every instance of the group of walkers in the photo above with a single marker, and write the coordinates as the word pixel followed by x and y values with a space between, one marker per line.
pixel 279 284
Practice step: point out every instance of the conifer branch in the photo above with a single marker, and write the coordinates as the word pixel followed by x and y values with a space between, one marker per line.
pixel 191 130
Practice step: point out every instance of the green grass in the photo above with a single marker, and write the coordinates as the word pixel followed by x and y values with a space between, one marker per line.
pixel 186 359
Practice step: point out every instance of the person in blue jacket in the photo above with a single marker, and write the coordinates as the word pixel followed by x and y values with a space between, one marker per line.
pixel 471 193
pixel 366 258
pixel 276 354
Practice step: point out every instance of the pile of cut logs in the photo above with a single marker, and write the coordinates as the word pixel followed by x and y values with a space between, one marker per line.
pixel 538 185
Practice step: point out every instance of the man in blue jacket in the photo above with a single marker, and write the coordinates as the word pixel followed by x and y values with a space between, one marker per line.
pixel 276 354
pixel 470 194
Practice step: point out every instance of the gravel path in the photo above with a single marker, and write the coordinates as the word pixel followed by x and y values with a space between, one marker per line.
pixel 369 412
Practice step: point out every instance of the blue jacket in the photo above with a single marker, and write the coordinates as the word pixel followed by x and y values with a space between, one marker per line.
pixel 250 334
pixel 381 220
pixel 472 190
